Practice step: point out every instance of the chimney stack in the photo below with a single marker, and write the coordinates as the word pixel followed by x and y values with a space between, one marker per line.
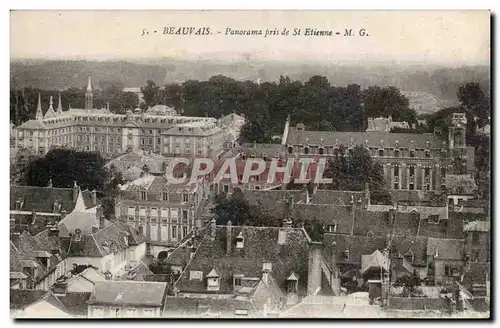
pixel 265 275
pixel 94 197
pixel 212 229
pixel 54 231
pixel 100 216
pixel 229 237
pixel 75 192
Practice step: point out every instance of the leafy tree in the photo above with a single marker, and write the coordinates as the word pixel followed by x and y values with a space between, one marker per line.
pixel 352 170
pixel 473 98
pixel 388 102
pixel 149 93
pixel 65 166
pixel 159 267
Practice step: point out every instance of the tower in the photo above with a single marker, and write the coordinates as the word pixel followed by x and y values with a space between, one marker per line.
pixel 89 96
pixel 39 113
pixel 456 141
pixel 59 106
pixel 457 131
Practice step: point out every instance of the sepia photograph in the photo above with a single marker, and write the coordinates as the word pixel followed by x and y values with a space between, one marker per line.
pixel 270 164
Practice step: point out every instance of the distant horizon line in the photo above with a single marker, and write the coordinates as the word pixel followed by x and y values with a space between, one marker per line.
pixel 203 58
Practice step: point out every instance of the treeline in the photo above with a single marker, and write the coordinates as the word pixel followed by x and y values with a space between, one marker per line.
pixel 23 101
pixel 316 103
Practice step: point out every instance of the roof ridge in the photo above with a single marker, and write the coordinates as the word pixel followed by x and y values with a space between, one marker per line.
pixel 39 187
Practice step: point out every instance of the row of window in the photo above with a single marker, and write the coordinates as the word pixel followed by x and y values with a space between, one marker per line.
pixel 380 153
pixel 143 195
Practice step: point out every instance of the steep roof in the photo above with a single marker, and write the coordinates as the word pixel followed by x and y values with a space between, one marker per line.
pixel 81 220
pixel 373 139
pixel 128 293
pixel 374 260
pixel 42 199
pixel 260 245
pixel 32 124
pixel 356 245
pixel 75 303
pixel 402 245
pixel 447 249
pixel 22 298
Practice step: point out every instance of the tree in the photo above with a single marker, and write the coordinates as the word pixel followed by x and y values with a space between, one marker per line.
pixel 352 170
pixel 473 98
pixel 149 93
pixel 65 166
pixel 388 102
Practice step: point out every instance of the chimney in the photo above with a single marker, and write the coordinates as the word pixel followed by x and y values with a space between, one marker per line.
pixel 75 192
pixel 94 197
pixel 14 238
pixel 314 268
pixel 63 214
pixel 100 216
pixel 228 237
pixel 212 229
pixel 54 232
pixel 265 275
pixel 367 194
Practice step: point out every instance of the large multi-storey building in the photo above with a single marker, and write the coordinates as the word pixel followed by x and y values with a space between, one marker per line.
pixel 410 161
pixel 159 130
pixel 166 213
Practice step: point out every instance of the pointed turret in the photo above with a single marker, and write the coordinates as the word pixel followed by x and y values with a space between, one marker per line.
pixel 89 86
pixel 39 113
pixel 50 112
pixel 59 105
pixel 89 96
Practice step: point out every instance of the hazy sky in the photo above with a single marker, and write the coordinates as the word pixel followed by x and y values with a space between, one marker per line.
pixel 448 37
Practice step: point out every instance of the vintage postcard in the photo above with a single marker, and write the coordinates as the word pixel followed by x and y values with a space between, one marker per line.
pixel 250 164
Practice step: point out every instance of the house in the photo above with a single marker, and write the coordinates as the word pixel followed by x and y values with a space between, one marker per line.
pixel 36 262
pixel 134 299
pixel 445 259
pixel 110 249
pixel 36 304
pixel 269 266
pixel 34 208
pixel 84 282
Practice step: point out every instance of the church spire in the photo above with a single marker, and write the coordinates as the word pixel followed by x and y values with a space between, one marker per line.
pixel 89 96
pixel 39 113
pixel 59 105
pixel 50 112
pixel 89 86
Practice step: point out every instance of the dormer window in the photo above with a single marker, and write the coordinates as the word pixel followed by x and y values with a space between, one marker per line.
pixel 412 153
pixel 306 150
pixel 381 152
pixel 143 195
pixel 427 154
pixel 346 254
pixel 185 198
pixel 237 280
pixel 409 256
pixel 290 149
pixel 267 266
pixel 332 227
pixel 213 281
pixel 396 153
pixel 321 150
pixel 240 240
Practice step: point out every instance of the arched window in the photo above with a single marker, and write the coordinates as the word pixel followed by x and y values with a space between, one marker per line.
pixel 321 150
pixel 290 149
pixel 306 150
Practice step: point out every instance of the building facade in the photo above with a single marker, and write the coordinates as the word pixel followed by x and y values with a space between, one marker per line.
pixel 100 130
pixel 165 212
pixel 410 161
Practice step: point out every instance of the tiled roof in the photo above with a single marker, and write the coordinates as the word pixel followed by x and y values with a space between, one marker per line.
pixel 359 138
pixel 480 226
pixel 32 124
pixel 260 245
pixel 337 197
pixel 22 298
pixel 401 245
pixel 179 307
pixel 446 249
pixel 356 245
pixel 153 183
pixel 42 199
pixel 75 303
pixel 374 260
pixel 116 236
pixel 81 220
pixel 129 293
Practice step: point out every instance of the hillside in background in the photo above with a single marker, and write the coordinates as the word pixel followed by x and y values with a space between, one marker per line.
pixel 428 87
